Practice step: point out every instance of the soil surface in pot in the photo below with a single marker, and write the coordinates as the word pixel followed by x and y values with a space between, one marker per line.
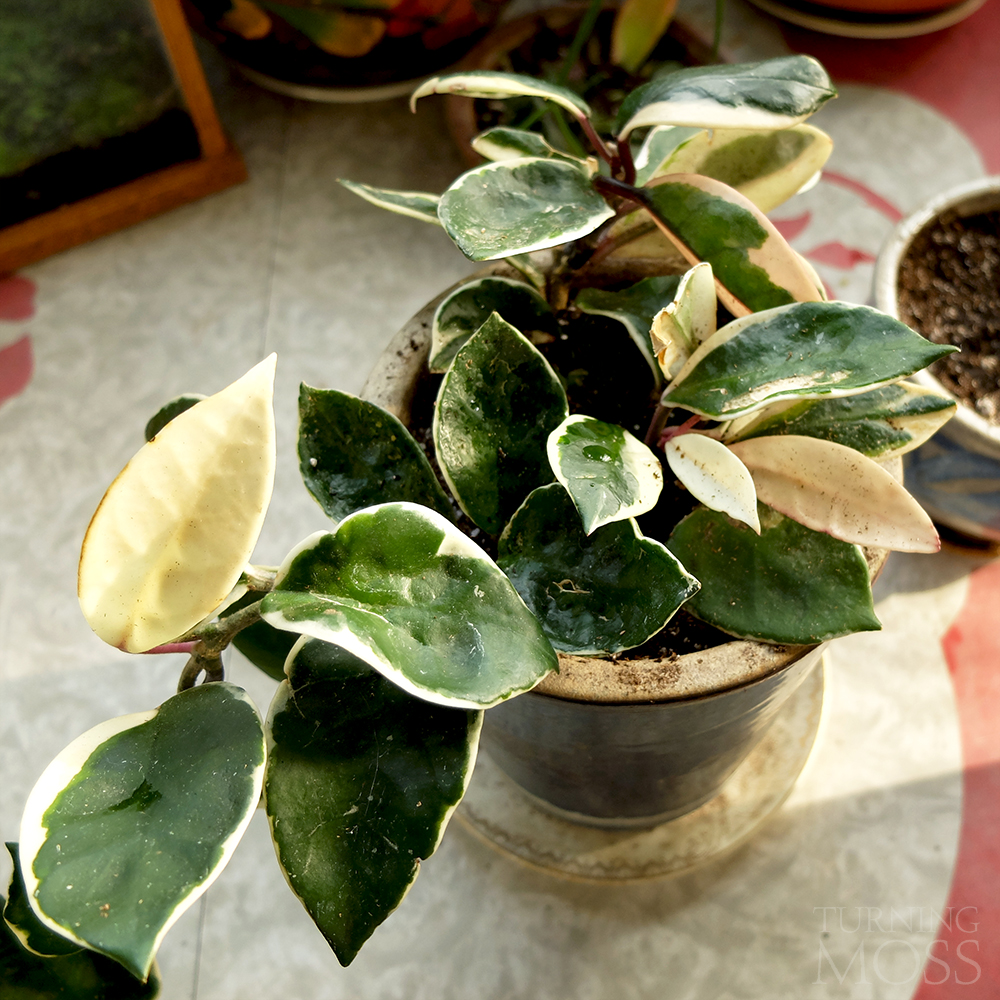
pixel 949 290
pixel 605 377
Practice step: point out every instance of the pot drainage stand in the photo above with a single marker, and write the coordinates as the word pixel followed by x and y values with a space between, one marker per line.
pixel 501 813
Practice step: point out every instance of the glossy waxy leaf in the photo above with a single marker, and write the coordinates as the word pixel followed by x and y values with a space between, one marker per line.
pixel 830 488
pixel 596 594
pixel 687 321
pixel 787 585
pixel 637 28
pixel 516 206
pixel 657 147
pixel 754 266
pixel 807 350
pixel 353 454
pixel 503 143
pixel 21 920
pixel 83 975
pixel 765 166
pixel 891 419
pixel 609 474
pixel 416 204
pixel 491 84
pixel 714 475
pixel 176 528
pixel 495 410
pixel 168 411
pixel 775 93
pixel 130 824
pixel 634 307
pixel 361 781
pixel 404 590
pixel 464 311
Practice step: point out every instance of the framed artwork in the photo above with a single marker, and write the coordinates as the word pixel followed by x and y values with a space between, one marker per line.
pixel 105 119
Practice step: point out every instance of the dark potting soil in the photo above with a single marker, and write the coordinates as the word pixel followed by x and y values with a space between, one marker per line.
pixel 79 173
pixel 605 377
pixel 949 290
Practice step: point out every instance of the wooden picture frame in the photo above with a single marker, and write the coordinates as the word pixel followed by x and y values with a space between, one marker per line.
pixel 219 166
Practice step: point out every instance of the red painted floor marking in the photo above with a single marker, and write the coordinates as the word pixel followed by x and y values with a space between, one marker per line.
pixel 876 201
pixel 837 255
pixel 954 71
pixel 972 650
pixel 16 365
pixel 790 228
pixel 17 298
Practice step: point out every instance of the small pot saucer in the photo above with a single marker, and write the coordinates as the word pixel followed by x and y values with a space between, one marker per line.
pixel 499 812
pixel 852 24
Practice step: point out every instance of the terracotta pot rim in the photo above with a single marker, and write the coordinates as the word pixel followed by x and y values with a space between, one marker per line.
pixel 983 194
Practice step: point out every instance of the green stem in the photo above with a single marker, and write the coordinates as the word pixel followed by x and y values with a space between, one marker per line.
pixel 212 639
pixel 573 144
pixel 580 39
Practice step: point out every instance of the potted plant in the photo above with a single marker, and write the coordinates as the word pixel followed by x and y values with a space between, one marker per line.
pixel 392 632
pixel 938 273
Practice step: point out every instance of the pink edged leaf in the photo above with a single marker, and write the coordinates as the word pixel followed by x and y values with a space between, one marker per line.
pixel 831 488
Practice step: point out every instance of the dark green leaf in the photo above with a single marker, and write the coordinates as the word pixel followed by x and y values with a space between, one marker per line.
pixel 515 206
pixel 168 411
pixel 502 143
pixel 810 350
pixel 21 919
pixel 361 781
pixel 593 595
pixel 133 820
pixel 404 590
pixel 354 454
pixel 464 311
pixel 495 410
pixel 789 585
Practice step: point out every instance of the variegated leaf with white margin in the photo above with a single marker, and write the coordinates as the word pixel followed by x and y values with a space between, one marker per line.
pixel 808 350
pixel 361 781
pixel 754 266
pixel 688 321
pixel 416 204
pixel 836 490
pixel 20 918
pixel 714 475
pixel 610 475
pixel 766 166
pixel 176 528
pixel 405 591
pixel 492 84
pixel 516 206
pixel 133 821
pixel 775 93
pixel 657 147
pixel 502 143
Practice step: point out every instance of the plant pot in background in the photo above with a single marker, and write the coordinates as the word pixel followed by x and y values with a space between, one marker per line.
pixel 329 51
pixel 940 273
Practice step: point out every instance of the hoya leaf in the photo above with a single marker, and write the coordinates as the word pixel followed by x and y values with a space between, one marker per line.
pixel 834 489
pixel 787 585
pixel 808 350
pixel 416 204
pixel 892 419
pixel 83 975
pixel 130 824
pixel 714 475
pixel 465 310
pixel 775 93
pixel 503 143
pixel 764 165
pixel 175 529
pixel 495 410
pixel 657 147
pixel 353 454
pixel 634 307
pixel 404 590
pixel 638 26
pixel 22 922
pixel 492 84
pixel 609 475
pixel 361 781
pixel 754 266
pixel 686 322
pixel 596 594
pixel 168 411
pixel 516 206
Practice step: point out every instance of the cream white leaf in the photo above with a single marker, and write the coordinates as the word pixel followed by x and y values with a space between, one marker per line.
pixel 831 488
pixel 686 322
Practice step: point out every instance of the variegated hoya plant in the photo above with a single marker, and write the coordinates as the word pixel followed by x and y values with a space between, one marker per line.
pixel 391 633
